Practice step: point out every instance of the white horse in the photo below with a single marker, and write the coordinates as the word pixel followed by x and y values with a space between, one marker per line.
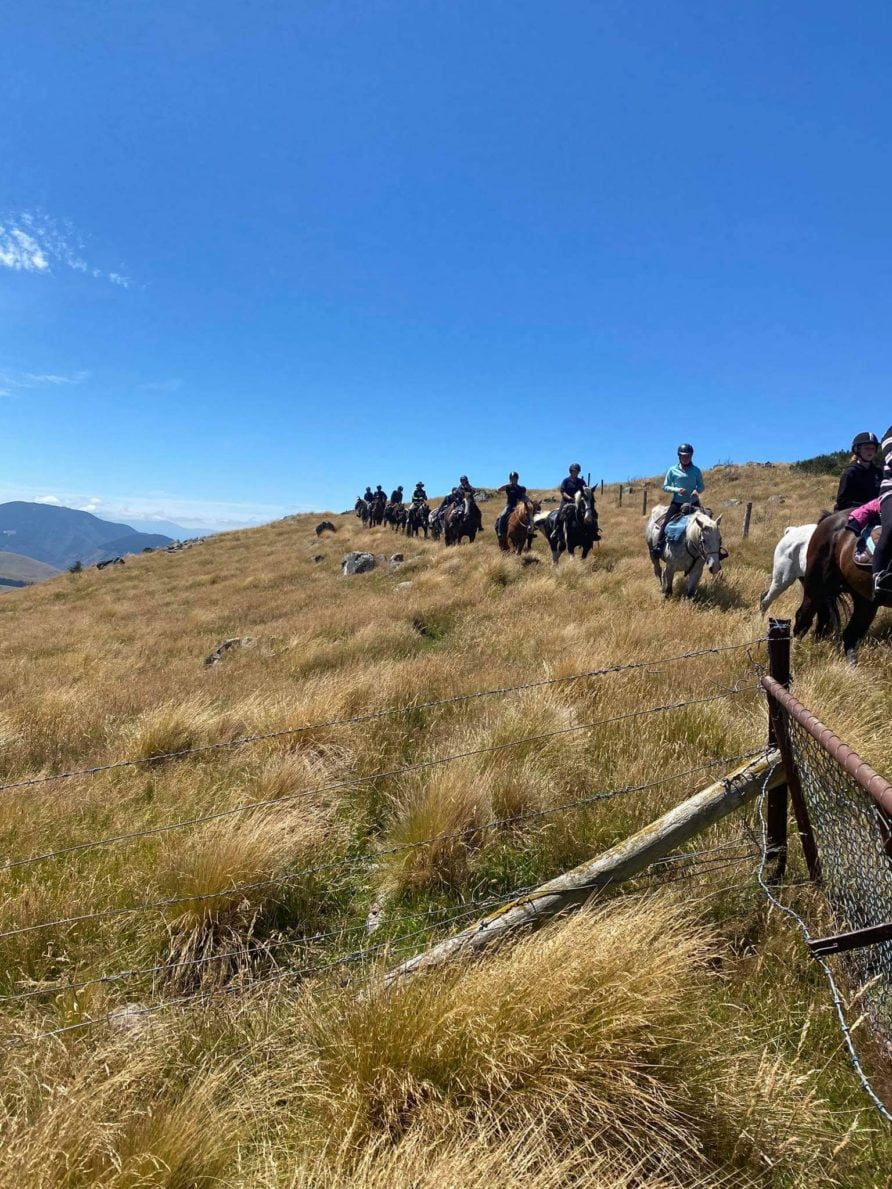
pixel 789 562
pixel 701 546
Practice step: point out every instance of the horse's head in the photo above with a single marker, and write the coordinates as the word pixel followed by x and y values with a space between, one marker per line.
pixel 592 512
pixel 710 540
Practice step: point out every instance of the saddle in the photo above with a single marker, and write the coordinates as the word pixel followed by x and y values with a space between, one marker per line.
pixel 676 529
pixel 865 547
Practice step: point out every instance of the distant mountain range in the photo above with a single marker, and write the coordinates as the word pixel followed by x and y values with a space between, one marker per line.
pixel 60 536
pixel 168 528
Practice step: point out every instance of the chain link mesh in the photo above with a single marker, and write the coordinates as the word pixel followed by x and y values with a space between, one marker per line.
pixel 852 836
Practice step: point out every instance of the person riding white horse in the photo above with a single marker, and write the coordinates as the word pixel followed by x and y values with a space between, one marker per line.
pixel 684 482
pixel 699 544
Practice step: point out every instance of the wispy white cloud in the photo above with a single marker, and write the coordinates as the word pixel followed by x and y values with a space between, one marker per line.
pixel 31 241
pixel 12 382
pixel 47 499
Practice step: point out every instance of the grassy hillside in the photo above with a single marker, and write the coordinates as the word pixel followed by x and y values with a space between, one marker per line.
pixel 18 568
pixel 676 1034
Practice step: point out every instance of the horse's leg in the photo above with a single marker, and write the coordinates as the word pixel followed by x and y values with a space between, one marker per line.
pixel 667 579
pixel 694 575
pixel 805 614
pixel 856 629
pixel 828 620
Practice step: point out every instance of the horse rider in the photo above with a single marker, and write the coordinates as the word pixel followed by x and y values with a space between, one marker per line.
pixel 456 496
pixel 419 495
pixel 368 497
pixel 572 484
pixel 379 495
pixel 860 481
pixel 515 493
pixel 882 569
pixel 685 482
pixel 396 496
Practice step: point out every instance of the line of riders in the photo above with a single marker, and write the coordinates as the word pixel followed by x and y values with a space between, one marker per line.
pixel 865 491
pixel 573 524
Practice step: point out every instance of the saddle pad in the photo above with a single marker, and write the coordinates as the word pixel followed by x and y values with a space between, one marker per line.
pixel 675 531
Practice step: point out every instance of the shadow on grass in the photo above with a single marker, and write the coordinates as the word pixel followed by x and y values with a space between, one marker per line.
pixel 720 595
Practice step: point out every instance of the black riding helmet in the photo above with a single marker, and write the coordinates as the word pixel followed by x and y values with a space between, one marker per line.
pixel 574 466
pixel 685 448
pixel 864 439
pixel 513 477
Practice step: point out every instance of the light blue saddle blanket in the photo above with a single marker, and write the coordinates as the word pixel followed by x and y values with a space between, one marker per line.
pixel 675 531
pixel 866 543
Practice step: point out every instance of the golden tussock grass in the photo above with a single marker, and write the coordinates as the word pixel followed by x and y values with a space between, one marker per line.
pixel 546 1065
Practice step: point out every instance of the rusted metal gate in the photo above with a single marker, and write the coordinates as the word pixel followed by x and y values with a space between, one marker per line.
pixel 843 812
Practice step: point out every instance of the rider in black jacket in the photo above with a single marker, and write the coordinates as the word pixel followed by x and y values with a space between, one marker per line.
pixel 572 484
pixel 860 481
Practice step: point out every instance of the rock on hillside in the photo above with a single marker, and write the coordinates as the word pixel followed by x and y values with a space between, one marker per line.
pixel 61 536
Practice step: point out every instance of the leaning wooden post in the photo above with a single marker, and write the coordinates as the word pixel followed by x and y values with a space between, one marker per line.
pixel 746 520
pixel 644 501
pixel 620 495
pixel 621 862
pixel 776 811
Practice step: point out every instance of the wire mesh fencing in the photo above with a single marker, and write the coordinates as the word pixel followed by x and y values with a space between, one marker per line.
pixel 844 820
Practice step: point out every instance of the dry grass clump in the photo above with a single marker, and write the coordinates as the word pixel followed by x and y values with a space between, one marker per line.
pixel 228 880
pixel 478 1160
pixel 427 845
pixel 587 1036
pixel 139 1111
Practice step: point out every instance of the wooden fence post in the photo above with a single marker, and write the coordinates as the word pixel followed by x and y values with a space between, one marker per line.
pixel 746 524
pixel 602 487
pixel 644 501
pixel 620 495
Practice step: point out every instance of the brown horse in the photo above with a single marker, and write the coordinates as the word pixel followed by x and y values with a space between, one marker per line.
pixel 831 579
pixel 520 532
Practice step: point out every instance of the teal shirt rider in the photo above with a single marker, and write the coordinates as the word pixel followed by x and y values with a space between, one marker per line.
pixel 683 482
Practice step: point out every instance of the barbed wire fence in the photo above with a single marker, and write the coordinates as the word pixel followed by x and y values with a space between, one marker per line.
pixel 687 864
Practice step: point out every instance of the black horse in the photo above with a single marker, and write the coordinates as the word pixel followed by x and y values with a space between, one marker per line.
pixel 462 519
pixel 363 510
pixel 417 519
pixel 572 526
pixel 376 511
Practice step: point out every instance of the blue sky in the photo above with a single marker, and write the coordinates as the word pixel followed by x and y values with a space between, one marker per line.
pixel 254 256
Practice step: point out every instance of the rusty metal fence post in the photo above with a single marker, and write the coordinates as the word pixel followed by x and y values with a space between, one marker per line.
pixel 778 736
pixel 776 809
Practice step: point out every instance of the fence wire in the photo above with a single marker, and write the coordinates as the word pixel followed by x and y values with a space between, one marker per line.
pixel 852 836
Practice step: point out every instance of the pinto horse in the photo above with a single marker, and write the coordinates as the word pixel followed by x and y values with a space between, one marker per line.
pixel 462 519
pixel 520 531
pixel 572 526
pixel 701 546
pixel 832 577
